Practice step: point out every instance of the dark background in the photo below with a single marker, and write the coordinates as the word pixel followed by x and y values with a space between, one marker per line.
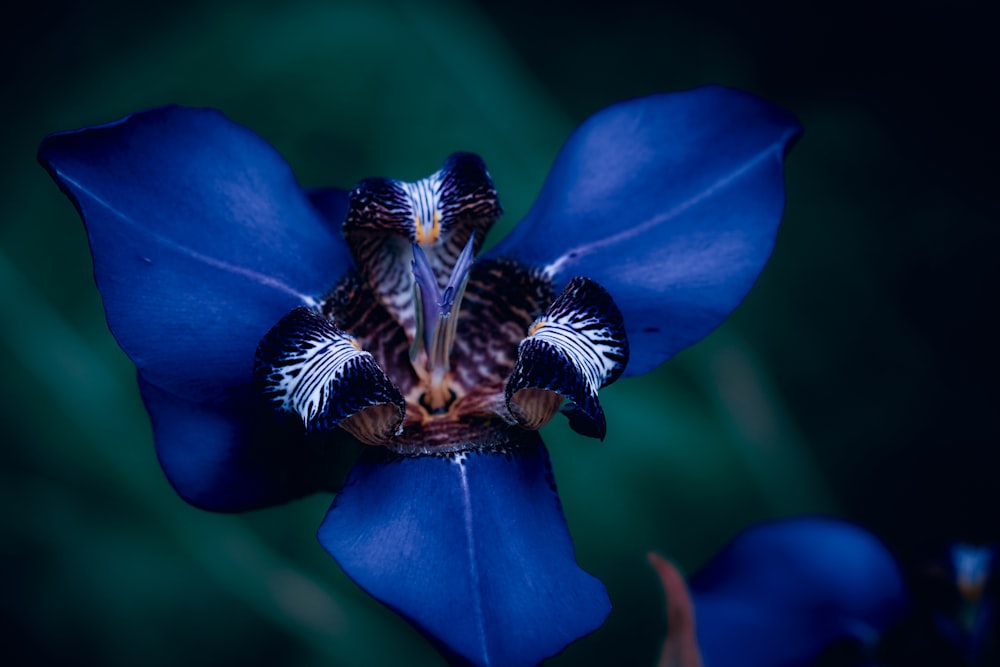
pixel 858 379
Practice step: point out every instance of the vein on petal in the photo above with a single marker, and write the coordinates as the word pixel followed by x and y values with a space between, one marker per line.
pixel 254 276
pixel 576 253
pixel 477 594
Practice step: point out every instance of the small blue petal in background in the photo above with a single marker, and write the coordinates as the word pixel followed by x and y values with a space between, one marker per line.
pixel 781 593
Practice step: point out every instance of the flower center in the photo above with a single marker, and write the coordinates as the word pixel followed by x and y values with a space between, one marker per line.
pixel 437 323
pixel 423 350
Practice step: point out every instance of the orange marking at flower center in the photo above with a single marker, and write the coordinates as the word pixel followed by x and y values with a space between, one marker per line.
pixel 428 237
pixel 536 326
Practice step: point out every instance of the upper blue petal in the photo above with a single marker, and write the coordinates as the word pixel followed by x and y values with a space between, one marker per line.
pixel 201 239
pixel 672 203
pixel 782 592
pixel 237 454
pixel 471 548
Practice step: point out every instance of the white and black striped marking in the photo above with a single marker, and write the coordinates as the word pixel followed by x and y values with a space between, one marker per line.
pixel 577 346
pixel 440 213
pixel 308 366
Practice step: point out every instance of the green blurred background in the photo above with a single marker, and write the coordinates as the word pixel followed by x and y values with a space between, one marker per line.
pixel 859 377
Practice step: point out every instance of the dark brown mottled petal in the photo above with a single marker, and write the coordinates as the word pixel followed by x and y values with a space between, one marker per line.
pixel 501 301
pixel 439 213
pixel 352 306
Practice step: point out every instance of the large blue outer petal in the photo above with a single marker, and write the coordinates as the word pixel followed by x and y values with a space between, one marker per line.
pixel 201 240
pixel 672 203
pixel 475 553
pixel 781 592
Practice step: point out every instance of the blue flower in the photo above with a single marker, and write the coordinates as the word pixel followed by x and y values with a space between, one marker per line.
pixel 780 594
pixel 278 332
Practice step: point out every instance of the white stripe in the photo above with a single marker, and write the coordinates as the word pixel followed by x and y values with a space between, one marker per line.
pixel 321 367
pixel 424 198
pixel 586 353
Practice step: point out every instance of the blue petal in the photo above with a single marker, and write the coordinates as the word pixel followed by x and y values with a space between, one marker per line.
pixel 472 548
pixel 332 204
pixel 672 203
pixel 781 592
pixel 201 239
pixel 239 454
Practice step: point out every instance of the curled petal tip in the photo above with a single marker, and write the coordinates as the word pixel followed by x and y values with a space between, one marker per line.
pixel 577 346
pixel 306 365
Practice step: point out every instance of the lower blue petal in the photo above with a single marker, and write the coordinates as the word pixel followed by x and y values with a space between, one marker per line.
pixel 237 453
pixel 472 548
pixel 782 592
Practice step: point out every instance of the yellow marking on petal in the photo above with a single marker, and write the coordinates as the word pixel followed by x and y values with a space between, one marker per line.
pixel 420 229
pixel 356 344
pixel 535 327
pixel 427 237
pixel 435 227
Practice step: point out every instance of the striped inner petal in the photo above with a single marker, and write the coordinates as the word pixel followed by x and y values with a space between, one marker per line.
pixel 308 366
pixel 440 213
pixel 468 205
pixel 574 348
pixel 379 230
